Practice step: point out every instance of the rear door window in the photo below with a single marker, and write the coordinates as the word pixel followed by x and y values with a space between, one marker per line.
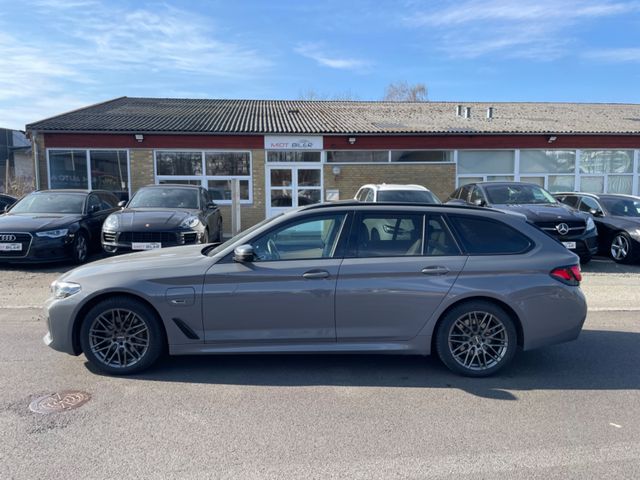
pixel 485 236
pixel 439 240
pixel 388 234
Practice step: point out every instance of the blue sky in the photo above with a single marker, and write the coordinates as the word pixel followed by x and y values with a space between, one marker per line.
pixel 59 55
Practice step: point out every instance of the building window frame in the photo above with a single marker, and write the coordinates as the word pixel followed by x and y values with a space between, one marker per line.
pixel 389 160
pixel 87 151
pixel 204 177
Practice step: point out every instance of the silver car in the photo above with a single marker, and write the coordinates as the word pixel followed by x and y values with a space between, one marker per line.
pixel 470 284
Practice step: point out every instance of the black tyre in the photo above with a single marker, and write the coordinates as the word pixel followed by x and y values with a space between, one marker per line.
pixel 476 339
pixel 80 247
pixel 205 236
pixel 121 336
pixel 621 248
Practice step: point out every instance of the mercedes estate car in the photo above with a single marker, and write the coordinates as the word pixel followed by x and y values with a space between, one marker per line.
pixel 575 230
pixel 471 285
pixel 54 225
pixel 163 216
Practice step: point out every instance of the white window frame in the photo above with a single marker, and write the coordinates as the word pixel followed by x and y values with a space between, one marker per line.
pixel 87 152
pixel 454 158
pixel 204 177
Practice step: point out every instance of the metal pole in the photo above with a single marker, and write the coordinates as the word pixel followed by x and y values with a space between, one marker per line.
pixel 235 206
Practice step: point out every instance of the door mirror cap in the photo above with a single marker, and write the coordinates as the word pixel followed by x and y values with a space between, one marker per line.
pixel 243 253
pixel 478 202
pixel 596 212
pixel 122 203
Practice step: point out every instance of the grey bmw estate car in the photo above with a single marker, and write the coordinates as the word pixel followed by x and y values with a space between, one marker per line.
pixel 469 284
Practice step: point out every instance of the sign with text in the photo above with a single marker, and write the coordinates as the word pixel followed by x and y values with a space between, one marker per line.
pixel 292 143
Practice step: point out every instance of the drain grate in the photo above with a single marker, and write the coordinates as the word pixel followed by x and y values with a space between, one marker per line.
pixel 59 401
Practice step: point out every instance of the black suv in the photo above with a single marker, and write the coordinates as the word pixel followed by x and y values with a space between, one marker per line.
pixel 576 230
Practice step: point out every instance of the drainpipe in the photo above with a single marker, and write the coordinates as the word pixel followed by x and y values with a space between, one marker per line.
pixel 34 145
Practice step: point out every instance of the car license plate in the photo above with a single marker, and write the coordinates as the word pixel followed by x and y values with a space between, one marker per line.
pixel 145 245
pixel 10 247
pixel 570 245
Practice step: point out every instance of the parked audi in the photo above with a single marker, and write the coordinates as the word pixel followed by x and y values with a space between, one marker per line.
pixel 163 216
pixel 617 218
pixel 52 225
pixel 575 230
pixel 471 285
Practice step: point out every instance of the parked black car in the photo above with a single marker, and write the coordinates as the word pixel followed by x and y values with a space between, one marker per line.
pixel 617 219
pixel 6 201
pixel 163 216
pixel 576 230
pixel 52 225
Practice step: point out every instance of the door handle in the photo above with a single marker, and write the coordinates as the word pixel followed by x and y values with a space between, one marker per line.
pixel 435 270
pixel 178 301
pixel 313 274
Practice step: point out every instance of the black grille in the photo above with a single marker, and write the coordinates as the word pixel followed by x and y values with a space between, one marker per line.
pixel 576 227
pixel 23 238
pixel 190 237
pixel 108 237
pixel 162 237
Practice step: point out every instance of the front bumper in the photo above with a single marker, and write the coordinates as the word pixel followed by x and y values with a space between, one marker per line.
pixel 60 315
pixel 114 242
pixel 42 249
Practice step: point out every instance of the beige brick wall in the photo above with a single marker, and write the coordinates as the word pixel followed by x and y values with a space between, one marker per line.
pixel 141 164
pixel 439 178
pixel 42 162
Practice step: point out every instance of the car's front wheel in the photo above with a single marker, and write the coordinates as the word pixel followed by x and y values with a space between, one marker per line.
pixel 121 336
pixel 80 247
pixel 476 339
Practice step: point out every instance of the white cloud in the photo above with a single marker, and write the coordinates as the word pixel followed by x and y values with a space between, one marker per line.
pixel 615 55
pixel 512 28
pixel 314 52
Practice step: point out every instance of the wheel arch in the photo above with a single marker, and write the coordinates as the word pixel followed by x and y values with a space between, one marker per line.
pixel 80 316
pixel 510 311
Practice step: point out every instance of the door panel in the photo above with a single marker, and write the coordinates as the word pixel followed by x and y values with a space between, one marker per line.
pixel 271 302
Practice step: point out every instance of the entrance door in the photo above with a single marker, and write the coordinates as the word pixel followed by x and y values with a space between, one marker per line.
pixel 290 186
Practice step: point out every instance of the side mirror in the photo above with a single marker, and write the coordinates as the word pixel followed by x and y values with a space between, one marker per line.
pixel 243 253
pixel 478 202
pixel 211 205
pixel 6 208
pixel 595 212
pixel 122 203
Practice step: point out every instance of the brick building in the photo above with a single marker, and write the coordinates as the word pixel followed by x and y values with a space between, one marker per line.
pixel 289 153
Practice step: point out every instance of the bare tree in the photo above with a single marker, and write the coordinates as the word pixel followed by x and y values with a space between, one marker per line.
pixel 403 92
pixel 312 94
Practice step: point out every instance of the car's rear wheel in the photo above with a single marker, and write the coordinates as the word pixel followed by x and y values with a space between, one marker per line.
pixel 621 248
pixel 80 247
pixel 121 336
pixel 476 339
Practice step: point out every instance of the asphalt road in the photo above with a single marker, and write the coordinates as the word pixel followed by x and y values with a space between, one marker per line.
pixel 568 411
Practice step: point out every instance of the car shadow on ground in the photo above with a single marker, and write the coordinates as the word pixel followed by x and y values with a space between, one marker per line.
pixel 598 360
pixel 606 265
pixel 61 266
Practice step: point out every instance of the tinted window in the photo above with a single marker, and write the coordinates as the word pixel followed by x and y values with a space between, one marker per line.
pixel 411 196
pixel 476 194
pixel 571 200
pixel 388 235
pixel 517 194
pixel 588 203
pixel 464 193
pixel 304 240
pixel 439 238
pixel 108 201
pixel 624 207
pixel 94 204
pixel 483 236
pixel 51 203
pixel 165 198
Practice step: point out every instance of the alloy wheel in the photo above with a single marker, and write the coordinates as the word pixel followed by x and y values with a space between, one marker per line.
pixel 478 340
pixel 119 338
pixel 82 248
pixel 619 247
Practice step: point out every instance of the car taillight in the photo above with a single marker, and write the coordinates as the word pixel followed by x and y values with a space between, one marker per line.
pixel 570 275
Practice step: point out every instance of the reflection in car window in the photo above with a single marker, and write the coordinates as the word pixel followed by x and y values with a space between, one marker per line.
pixel 570 200
pixel 623 207
pixel 411 196
pixel 169 197
pixel 439 239
pixel 588 203
pixel 517 194
pixel 50 203
pixel 389 235
pixel 307 239
pixel 483 236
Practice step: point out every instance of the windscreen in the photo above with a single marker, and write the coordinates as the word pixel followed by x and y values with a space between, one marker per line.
pixel 51 203
pixel 623 207
pixel 408 196
pixel 165 198
pixel 517 194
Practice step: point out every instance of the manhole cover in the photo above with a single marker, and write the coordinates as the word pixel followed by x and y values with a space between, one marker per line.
pixel 59 402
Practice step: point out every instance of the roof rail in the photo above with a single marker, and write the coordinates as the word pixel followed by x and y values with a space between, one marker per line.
pixel 356 203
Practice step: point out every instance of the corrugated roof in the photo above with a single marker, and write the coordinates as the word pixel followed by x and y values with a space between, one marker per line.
pixel 174 115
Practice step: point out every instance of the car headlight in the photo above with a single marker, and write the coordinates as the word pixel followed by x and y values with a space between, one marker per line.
pixel 590 224
pixel 190 222
pixel 111 223
pixel 64 289
pixel 61 232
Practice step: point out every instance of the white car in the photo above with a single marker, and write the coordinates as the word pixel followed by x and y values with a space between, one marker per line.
pixel 389 192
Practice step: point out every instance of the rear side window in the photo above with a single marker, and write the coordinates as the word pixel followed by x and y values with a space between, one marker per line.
pixel 388 235
pixel 484 236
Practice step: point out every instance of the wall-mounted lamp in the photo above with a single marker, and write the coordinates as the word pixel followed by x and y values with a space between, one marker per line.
pixel 352 140
pixel 336 170
pixel 139 137
pixel 552 139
